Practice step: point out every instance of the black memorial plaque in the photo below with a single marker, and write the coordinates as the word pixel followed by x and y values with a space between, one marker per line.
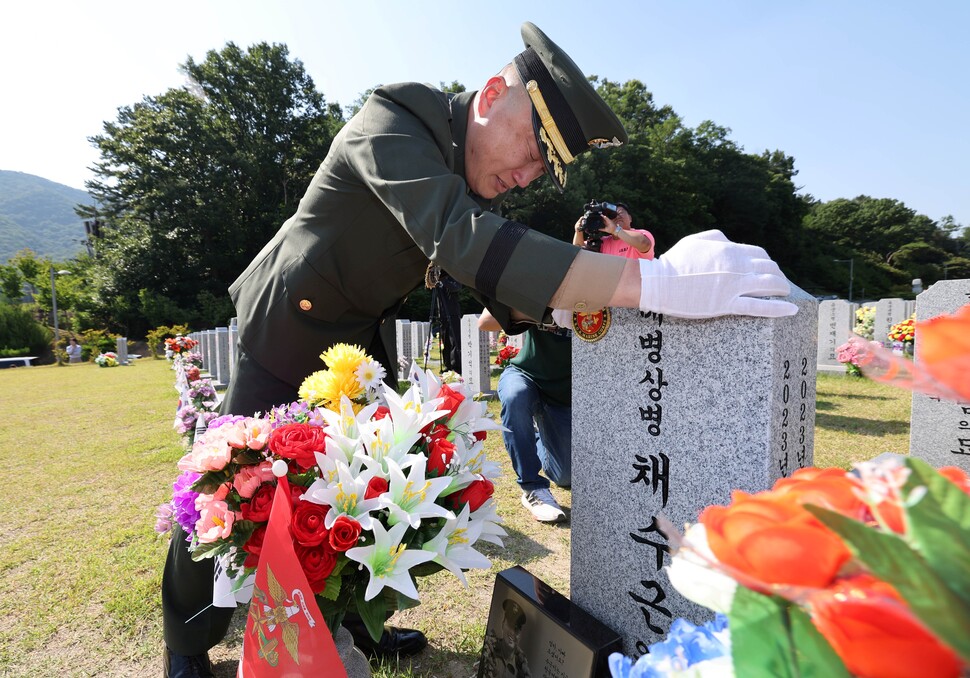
pixel 535 631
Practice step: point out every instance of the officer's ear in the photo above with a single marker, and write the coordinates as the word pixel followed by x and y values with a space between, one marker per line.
pixel 494 89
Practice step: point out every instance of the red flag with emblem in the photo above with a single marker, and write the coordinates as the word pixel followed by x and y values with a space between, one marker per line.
pixel 285 632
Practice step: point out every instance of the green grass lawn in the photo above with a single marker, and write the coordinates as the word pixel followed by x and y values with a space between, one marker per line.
pixel 90 452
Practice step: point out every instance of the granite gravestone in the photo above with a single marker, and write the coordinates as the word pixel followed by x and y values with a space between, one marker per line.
pixel 222 356
pixel 516 340
pixel 670 416
pixel 836 318
pixel 419 337
pixel 888 313
pixel 939 430
pixel 121 348
pixel 233 339
pixel 210 360
pixel 403 341
pixel 474 356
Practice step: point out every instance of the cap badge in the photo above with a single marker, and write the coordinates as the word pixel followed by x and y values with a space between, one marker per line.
pixel 605 143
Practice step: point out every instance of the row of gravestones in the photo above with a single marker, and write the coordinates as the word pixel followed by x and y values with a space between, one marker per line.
pixel 670 416
pixel 837 317
pixel 217 348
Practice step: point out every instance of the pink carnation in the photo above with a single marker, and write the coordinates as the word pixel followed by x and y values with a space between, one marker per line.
pixel 249 478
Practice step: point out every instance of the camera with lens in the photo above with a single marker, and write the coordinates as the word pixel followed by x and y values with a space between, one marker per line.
pixel 592 222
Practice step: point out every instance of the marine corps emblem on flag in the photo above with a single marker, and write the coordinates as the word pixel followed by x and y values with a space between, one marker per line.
pixel 271 610
pixel 592 326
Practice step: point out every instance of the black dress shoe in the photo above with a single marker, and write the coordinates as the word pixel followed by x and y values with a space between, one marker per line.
pixel 394 642
pixel 181 666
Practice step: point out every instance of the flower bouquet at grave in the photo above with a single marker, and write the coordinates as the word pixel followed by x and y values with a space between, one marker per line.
pixel 836 573
pixel 849 354
pixel 384 487
pixel 109 359
pixel 505 355
pixel 865 317
pixel 180 344
pixel 197 398
pixel 902 335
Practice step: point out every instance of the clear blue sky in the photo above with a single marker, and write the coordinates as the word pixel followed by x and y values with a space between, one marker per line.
pixel 869 97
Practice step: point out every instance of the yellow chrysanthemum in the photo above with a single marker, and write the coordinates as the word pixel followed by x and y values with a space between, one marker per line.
pixel 311 390
pixel 343 358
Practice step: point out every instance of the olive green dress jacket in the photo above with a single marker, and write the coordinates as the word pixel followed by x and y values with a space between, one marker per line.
pixel 389 197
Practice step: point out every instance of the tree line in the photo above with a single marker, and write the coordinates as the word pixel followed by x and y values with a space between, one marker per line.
pixel 191 183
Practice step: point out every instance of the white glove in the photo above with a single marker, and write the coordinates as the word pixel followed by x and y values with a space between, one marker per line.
pixel 563 318
pixel 706 275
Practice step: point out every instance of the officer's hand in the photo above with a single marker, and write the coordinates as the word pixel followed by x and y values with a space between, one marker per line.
pixel 706 275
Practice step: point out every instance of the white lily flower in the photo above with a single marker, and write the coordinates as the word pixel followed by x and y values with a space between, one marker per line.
pixel 345 497
pixel 389 561
pixel 489 518
pixel 411 411
pixel 452 546
pixel 691 572
pixel 384 440
pixel 343 427
pixel 411 498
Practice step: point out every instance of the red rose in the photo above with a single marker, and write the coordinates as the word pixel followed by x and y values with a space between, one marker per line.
pixel 380 413
pixel 474 495
pixel 307 527
pixel 258 508
pixel 254 546
pixel 193 373
pixel 440 452
pixel 296 494
pixel 317 562
pixel 344 533
pixel 480 435
pixel 298 442
pixel 452 399
pixel 377 486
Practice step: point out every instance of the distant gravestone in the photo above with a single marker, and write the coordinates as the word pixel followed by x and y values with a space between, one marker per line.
pixel 909 307
pixel 888 313
pixel 418 335
pixel 939 431
pixel 836 318
pixel 404 351
pixel 515 340
pixel 233 340
pixel 671 416
pixel 209 356
pixel 121 346
pixel 474 356
pixel 222 356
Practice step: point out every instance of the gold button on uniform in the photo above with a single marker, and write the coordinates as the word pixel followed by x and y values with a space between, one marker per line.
pixel 305 304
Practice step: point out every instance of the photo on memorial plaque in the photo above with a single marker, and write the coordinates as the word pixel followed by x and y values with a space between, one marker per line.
pixel 533 630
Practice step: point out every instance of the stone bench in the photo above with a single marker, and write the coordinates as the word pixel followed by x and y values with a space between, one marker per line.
pixel 5 362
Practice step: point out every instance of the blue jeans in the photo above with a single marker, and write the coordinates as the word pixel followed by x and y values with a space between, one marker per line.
pixel 549 449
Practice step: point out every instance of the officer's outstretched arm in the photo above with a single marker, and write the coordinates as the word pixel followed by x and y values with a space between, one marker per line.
pixel 703 276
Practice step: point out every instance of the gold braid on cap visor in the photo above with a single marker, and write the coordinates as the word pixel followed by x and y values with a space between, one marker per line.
pixel 548 122
pixel 553 157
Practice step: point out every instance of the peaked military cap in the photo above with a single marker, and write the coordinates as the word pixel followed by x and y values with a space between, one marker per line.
pixel 568 116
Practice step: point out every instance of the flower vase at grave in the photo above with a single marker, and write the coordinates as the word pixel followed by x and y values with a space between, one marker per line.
pixel 354 661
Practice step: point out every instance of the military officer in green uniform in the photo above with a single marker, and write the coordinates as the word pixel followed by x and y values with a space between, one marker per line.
pixel 415 177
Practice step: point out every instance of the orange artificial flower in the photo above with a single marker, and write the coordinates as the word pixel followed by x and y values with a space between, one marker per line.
pixel 957 476
pixel 876 635
pixel 771 538
pixel 830 488
pixel 944 349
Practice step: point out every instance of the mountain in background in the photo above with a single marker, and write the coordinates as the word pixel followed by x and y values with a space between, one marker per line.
pixel 39 214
